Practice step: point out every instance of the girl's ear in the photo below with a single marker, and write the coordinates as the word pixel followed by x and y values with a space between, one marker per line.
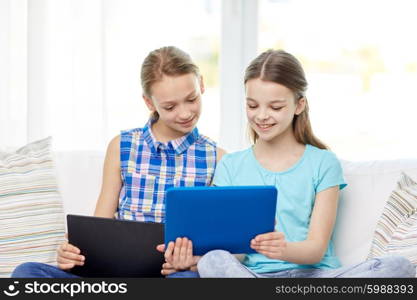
pixel 301 105
pixel 149 103
pixel 202 89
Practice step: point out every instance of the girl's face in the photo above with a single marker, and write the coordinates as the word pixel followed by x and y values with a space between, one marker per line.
pixel 270 108
pixel 177 99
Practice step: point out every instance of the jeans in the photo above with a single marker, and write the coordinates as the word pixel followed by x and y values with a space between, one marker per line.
pixel 40 270
pixel 222 264
pixel 184 274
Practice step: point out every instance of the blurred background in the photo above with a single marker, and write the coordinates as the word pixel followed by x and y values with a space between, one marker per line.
pixel 70 68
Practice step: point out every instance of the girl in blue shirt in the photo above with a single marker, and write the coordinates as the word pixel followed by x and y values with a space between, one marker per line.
pixel 308 176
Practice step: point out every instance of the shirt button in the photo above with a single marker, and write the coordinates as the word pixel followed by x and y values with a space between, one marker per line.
pixel 161 147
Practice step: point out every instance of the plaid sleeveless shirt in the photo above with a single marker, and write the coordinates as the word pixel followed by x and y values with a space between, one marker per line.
pixel 149 168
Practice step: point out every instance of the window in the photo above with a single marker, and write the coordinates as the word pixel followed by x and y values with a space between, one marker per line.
pixel 72 68
pixel 361 65
pixel 133 29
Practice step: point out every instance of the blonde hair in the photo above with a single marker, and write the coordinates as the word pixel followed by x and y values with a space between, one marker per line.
pixel 283 68
pixel 169 61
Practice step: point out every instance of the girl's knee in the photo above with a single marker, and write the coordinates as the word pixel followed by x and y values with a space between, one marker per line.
pixel 214 258
pixel 23 270
pixel 404 267
pixel 214 255
pixel 398 266
pixel 218 253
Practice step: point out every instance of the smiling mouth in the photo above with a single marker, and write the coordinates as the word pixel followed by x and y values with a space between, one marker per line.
pixel 265 126
pixel 186 123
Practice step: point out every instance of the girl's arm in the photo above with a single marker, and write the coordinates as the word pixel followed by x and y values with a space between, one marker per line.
pixel 311 250
pixel 69 255
pixel 112 182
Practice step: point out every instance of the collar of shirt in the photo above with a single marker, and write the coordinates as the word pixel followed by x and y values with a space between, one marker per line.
pixel 178 145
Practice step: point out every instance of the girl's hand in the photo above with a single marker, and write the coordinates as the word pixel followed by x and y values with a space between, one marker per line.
pixel 69 256
pixel 178 256
pixel 271 244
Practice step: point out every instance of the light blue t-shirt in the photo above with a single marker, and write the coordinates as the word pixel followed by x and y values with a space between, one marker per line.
pixel 297 187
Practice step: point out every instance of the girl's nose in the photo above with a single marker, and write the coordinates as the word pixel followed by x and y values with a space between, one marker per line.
pixel 262 116
pixel 185 115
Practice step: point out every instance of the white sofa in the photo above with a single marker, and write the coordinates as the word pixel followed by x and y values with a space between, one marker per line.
pixel 369 186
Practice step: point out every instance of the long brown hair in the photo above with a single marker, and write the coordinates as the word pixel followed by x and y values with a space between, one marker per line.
pixel 283 68
pixel 169 61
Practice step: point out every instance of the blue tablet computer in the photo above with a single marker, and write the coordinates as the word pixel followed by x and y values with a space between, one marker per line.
pixel 220 217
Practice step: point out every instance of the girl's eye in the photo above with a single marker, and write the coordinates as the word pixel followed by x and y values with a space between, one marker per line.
pixel 192 100
pixel 277 108
pixel 251 106
pixel 168 108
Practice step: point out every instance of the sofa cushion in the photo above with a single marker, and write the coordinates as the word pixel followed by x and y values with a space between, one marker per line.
pixel 31 212
pixel 404 240
pixel 396 231
pixel 79 176
pixel 370 184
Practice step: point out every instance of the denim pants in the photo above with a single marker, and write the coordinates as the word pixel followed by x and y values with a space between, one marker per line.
pixel 222 264
pixel 40 270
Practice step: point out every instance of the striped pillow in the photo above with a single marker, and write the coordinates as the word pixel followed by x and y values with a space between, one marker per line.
pixel 31 211
pixel 404 240
pixel 396 231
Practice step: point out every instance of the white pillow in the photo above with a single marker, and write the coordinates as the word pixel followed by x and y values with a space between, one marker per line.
pixel 31 212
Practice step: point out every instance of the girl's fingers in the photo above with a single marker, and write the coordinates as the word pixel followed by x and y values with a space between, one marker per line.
pixel 167 269
pixel 177 249
pixel 169 251
pixel 269 236
pixel 188 255
pixel 72 256
pixel 276 243
pixel 268 248
pixel 66 247
pixel 63 260
pixel 66 266
pixel 183 252
pixel 160 247
pixel 190 251
pixel 181 255
pixel 167 272
pixel 167 266
pixel 70 252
